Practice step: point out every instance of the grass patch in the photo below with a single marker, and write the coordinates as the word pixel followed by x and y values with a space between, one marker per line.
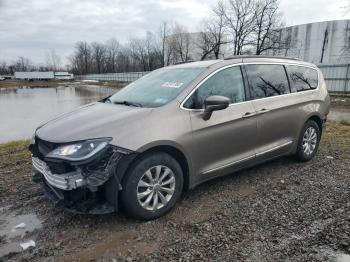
pixel 14 155
pixel 336 139
pixel 345 122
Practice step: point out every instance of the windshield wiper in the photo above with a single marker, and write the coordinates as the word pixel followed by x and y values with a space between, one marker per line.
pixel 127 103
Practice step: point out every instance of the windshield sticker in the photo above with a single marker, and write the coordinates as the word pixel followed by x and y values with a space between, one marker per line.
pixel 172 84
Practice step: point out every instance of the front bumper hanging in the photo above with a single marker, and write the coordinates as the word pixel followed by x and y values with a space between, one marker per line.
pixel 91 187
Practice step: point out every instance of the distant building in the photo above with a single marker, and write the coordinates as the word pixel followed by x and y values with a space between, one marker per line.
pixel 35 75
pixel 64 76
pixel 49 75
pixel 320 43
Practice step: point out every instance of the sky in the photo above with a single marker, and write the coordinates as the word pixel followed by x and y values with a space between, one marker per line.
pixel 32 28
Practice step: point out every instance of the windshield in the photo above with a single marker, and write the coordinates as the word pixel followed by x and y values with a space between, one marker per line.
pixel 157 88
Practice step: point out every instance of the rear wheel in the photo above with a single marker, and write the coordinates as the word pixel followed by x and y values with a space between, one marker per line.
pixel 309 140
pixel 152 186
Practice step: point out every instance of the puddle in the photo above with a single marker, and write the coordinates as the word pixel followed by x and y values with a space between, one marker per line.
pixel 124 242
pixel 343 258
pixel 335 256
pixel 10 236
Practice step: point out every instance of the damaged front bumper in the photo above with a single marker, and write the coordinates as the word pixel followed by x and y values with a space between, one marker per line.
pixel 89 187
pixel 67 181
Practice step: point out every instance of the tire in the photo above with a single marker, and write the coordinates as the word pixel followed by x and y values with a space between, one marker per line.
pixel 307 146
pixel 138 186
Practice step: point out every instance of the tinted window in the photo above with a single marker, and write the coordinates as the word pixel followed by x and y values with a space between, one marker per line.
pixel 302 78
pixel 267 80
pixel 158 87
pixel 227 82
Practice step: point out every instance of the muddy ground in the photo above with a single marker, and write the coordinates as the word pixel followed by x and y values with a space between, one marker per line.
pixel 283 210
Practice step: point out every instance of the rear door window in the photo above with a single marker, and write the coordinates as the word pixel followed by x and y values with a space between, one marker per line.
pixel 267 80
pixel 302 78
pixel 227 82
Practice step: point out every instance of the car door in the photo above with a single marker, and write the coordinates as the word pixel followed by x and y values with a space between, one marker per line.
pixel 227 140
pixel 277 114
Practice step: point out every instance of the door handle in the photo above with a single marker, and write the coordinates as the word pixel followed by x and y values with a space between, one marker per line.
pixel 263 111
pixel 248 114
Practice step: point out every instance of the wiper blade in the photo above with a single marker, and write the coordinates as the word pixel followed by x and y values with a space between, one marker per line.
pixel 127 103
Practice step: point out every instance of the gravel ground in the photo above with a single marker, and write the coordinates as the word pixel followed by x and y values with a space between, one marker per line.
pixel 279 211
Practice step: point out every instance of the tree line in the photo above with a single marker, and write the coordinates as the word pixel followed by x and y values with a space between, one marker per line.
pixel 233 27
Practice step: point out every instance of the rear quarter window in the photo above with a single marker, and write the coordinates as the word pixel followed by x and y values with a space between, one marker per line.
pixel 302 78
pixel 267 80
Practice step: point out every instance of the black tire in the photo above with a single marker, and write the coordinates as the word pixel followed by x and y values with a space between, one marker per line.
pixel 301 154
pixel 129 199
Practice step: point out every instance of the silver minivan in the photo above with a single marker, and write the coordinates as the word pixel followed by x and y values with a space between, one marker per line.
pixel 141 148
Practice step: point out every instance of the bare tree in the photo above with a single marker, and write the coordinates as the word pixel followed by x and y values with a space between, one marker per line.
pixel 23 64
pixel 267 20
pixel 82 58
pixel 180 42
pixel 112 49
pixel 165 52
pixel 99 56
pixel 239 18
pixel 139 54
pixel 212 35
pixel 53 60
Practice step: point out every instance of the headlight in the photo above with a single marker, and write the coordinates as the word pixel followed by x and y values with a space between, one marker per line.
pixel 79 151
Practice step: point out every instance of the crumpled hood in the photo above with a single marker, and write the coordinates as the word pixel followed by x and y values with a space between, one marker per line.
pixel 94 120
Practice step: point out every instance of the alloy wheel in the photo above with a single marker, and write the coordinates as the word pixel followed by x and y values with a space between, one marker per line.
pixel 309 140
pixel 156 187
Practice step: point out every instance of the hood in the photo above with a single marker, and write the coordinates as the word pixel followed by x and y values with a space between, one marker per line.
pixel 94 120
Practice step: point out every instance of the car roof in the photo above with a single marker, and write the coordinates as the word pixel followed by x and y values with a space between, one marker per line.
pixel 241 59
pixel 205 63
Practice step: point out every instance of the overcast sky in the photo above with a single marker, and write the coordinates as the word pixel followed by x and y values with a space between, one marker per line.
pixel 31 28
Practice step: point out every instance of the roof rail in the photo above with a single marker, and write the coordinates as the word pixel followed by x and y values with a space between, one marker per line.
pixel 262 56
pixel 180 63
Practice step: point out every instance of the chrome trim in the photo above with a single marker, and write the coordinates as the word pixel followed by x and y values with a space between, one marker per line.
pixel 67 181
pixel 251 63
pixel 274 148
pixel 229 164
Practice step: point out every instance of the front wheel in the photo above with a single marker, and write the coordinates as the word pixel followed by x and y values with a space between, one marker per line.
pixel 152 186
pixel 308 141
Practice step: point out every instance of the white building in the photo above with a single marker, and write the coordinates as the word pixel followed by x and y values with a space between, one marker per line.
pixel 49 75
pixel 64 76
pixel 35 75
pixel 320 43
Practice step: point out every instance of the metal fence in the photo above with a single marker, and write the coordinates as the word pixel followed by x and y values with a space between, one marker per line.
pixel 116 77
pixel 337 78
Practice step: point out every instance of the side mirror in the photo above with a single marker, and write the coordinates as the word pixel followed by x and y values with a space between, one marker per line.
pixel 214 103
